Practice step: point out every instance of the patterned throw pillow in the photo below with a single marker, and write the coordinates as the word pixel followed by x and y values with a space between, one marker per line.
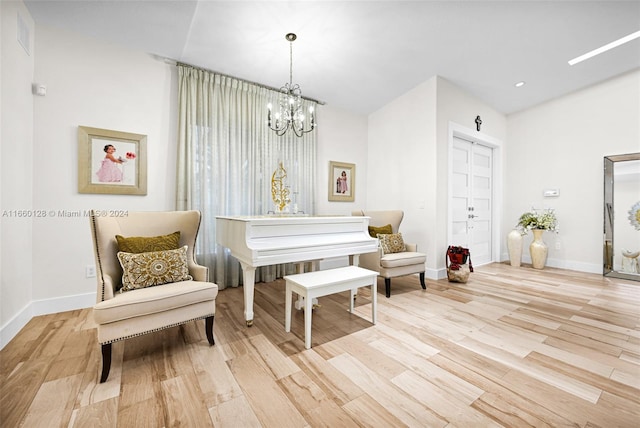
pixel 391 243
pixel 375 231
pixel 153 268
pixel 144 244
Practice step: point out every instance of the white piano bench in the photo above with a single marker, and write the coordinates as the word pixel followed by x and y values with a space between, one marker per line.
pixel 311 285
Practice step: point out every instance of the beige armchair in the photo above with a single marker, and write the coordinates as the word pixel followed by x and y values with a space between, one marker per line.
pixel 188 296
pixel 405 262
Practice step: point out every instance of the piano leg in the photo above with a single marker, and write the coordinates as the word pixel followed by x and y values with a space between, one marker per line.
pixel 249 276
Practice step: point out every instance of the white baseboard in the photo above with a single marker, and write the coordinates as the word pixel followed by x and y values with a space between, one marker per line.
pixel 435 274
pixel 569 265
pixel 14 325
pixel 43 307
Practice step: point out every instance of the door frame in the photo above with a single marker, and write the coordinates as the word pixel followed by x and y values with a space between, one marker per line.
pixel 457 130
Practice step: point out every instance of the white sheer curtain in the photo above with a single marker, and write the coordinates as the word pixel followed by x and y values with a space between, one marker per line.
pixel 226 156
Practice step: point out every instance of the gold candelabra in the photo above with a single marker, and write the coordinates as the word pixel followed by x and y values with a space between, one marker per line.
pixel 279 191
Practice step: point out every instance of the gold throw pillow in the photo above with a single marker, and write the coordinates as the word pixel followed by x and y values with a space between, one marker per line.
pixel 380 230
pixel 144 244
pixel 392 243
pixel 152 268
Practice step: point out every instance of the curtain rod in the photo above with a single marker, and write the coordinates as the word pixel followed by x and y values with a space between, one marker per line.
pixel 174 62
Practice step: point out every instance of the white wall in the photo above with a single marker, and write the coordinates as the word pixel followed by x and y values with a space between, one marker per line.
pixel 342 137
pixel 102 86
pixel 89 84
pixel 16 152
pixel 402 164
pixel 561 144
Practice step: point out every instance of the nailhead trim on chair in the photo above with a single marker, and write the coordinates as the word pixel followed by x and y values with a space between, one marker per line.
pixel 156 329
pixel 95 242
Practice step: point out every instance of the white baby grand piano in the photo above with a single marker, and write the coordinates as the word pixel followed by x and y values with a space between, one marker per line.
pixel 265 240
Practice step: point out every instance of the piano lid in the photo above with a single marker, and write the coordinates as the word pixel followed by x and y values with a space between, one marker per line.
pixel 263 240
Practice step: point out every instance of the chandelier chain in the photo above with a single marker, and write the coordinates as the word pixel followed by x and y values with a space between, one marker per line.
pixel 290 63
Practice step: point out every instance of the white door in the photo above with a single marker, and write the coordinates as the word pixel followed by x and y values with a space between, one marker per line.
pixel 471 199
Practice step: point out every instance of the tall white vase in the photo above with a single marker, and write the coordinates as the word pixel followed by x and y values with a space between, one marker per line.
pixel 514 243
pixel 538 250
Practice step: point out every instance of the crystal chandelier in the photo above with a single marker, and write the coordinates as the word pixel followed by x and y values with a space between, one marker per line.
pixel 290 115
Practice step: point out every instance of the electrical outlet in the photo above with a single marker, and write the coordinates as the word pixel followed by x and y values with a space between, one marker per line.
pixel 91 271
pixel 558 245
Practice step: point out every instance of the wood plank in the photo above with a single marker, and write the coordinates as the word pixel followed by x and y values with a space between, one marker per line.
pixel 333 382
pixel 102 414
pixel 181 399
pixel 270 404
pixel 234 413
pixel 369 413
pixel 311 401
pixel 53 404
pixel 452 407
pixel 392 398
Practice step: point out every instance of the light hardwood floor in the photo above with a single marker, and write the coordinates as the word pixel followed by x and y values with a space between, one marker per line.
pixel 512 347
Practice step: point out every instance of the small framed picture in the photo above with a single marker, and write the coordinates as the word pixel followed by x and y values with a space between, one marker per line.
pixel 342 181
pixel 111 162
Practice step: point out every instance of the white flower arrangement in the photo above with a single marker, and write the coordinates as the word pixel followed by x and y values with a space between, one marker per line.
pixel 545 220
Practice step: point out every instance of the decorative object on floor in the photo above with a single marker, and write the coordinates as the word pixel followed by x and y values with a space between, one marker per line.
pixel 538 222
pixel 514 243
pixel 111 162
pixel 290 115
pixel 538 250
pixel 279 190
pixel 634 215
pixel 342 181
pixel 456 261
pixel 630 261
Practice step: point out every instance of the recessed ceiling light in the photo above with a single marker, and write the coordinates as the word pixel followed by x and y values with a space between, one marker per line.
pixel 520 84
pixel 605 48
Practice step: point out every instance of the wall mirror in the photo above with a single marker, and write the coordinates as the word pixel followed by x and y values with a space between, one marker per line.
pixel 621 216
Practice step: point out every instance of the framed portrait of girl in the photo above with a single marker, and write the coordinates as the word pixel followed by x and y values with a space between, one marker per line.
pixel 342 181
pixel 111 162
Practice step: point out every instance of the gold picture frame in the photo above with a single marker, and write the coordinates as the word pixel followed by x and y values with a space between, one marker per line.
pixel 342 181
pixel 119 170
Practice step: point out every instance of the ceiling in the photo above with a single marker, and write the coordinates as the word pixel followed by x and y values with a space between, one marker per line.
pixel 360 55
